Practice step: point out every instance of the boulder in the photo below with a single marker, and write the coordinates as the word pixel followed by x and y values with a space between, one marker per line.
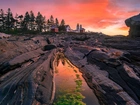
pixel 134 24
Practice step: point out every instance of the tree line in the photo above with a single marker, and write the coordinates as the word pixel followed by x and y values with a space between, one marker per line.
pixel 28 23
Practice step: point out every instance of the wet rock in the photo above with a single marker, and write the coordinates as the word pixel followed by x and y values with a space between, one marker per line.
pixel 110 65
pixel 111 85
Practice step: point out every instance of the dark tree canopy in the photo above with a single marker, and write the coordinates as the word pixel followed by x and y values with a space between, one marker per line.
pixel 32 20
pixel 52 20
pixel 62 22
pixel 40 20
pixel 56 22
pixel 28 22
pixel 9 20
pixel 2 20
pixel 62 26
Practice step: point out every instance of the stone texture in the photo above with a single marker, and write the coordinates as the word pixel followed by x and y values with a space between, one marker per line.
pixel 110 66
pixel 134 24
pixel 25 71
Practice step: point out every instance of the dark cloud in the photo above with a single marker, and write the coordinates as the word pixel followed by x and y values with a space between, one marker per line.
pixel 125 3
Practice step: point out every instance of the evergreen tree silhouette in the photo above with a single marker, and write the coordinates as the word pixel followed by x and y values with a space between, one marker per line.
pixel 2 20
pixel 56 22
pixel 9 20
pixel 62 22
pixel 32 20
pixel 62 25
pixel 16 21
pixel 20 22
pixel 51 20
pixel 40 21
pixel 25 23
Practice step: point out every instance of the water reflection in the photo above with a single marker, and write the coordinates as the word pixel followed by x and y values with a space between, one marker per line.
pixel 71 87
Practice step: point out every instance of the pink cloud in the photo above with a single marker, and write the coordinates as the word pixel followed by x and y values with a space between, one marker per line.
pixel 93 13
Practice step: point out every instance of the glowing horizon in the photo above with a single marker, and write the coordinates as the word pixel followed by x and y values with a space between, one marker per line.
pixel 106 16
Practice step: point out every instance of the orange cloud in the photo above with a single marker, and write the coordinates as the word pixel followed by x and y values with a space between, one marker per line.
pixel 96 14
pixel 124 28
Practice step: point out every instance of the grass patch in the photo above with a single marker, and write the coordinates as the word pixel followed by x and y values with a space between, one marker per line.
pixel 79 82
pixel 77 76
pixel 71 97
pixel 78 85
pixel 74 98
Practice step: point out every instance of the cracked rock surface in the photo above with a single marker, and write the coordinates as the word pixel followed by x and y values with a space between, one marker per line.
pixel 110 66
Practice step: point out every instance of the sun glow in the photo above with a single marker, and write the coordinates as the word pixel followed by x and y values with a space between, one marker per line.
pixel 104 16
pixel 111 30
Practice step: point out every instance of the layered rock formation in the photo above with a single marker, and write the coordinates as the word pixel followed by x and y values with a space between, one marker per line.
pixel 134 24
pixel 110 66
pixel 111 73
pixel 26 71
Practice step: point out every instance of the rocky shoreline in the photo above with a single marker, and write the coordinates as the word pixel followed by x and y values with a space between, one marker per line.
pixel 110 65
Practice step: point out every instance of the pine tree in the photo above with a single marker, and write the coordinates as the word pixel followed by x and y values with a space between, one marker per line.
pixel 20 23
pixel 51 20
pixel 62 25
pixel 62 22
pixel 32 20
pixel 9 20
pixel 56 22
pixel 45 26
pixel 48 24
pixel 16 21
pixel 40 20
pixel 26 21
pixel 2 20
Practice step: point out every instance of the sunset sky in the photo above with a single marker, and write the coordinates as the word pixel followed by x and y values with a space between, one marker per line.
pixel 105 16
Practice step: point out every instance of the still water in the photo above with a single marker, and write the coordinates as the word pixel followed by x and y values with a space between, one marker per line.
pixel 71 88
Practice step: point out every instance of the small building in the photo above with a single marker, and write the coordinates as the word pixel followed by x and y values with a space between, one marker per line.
pixel 54 29
pixel 79 29
pixel 82 30
pixel 68 29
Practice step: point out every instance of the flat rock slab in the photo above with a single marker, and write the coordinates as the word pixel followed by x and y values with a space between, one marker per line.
pixel 110 66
